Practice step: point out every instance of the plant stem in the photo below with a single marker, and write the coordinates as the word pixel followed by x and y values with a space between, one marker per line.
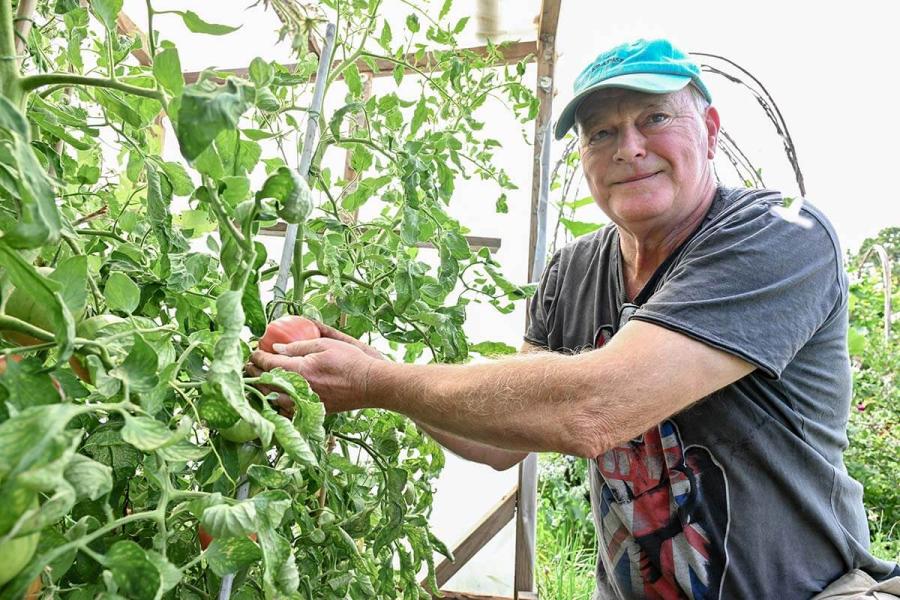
pixel 10 86
pixel 150 40
pixel 101 233
pixel 297 266
pixel 37 81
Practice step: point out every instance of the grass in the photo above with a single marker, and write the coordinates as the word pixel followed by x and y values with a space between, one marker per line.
pixel 566 540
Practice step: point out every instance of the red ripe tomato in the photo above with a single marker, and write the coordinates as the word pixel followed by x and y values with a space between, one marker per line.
pixel 23 339
pixel 286 330
pixel 206 539
pixel 80 369
pixel 15 357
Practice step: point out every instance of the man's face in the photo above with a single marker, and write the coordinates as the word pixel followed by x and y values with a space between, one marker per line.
pixel 646 156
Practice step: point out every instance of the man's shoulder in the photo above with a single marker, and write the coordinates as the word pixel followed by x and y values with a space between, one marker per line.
pixel 737 203
pixel 764 206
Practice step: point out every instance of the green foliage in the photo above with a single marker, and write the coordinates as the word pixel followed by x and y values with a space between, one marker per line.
pixel 566 538
pixel 874 428
pixel 156 275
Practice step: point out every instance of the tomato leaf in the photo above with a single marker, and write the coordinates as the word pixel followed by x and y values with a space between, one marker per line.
pixel 291 439
pixel 71 274
pixel 197 25
pixel 167 70
pixel 225 521
pixel 261 72
pixel 89 478
pixel 292 193
pixel 206 110
pixel 353 80
pixel 140 368
pixel 229 555
pixel 491 349
pixel 38 221
pixel 224 379
pixel 147 434
pixel 579 228
pixel 268 477
pixel 133 571
pixel 107 11
pixel 121 292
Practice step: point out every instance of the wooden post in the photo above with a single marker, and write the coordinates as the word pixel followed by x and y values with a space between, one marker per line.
pixel 526 513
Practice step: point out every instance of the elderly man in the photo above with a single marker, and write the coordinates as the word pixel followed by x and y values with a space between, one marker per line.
pixel 713 405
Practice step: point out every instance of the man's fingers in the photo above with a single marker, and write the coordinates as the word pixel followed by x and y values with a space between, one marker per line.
pixel 267 361
pixel 331 332
pixel 283 402
pixel 253 370
pixel 301 348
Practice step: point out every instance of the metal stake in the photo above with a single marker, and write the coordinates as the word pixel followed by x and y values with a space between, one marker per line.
pixel 290 238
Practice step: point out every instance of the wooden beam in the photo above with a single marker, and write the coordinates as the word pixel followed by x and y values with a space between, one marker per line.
pixel 125 26
pixel 478 536
pixel 512 53
pixel 476 242
pixel 451 595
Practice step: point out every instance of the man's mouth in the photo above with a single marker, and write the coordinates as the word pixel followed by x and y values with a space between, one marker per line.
pixel 638 178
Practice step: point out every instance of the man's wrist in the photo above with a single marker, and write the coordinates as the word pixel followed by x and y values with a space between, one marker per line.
pixel 378 384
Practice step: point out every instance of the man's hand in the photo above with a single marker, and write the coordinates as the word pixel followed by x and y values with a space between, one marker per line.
pixel 283 402
pixel 336 370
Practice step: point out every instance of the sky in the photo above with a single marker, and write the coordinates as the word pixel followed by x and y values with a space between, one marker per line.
pixel 828 67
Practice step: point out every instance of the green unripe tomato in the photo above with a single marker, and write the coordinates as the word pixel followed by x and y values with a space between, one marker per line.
pixel 317 536
pixel 326 517
pixel 409 494
pixel 91 327
pixel 240 432
pixel 21 305
pixel 250 454
pixel 17 552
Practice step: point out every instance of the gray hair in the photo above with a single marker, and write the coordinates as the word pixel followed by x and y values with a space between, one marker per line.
pixel 698 100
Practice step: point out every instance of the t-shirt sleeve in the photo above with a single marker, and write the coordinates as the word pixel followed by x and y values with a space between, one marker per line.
pixel 756 286
pixel 541 304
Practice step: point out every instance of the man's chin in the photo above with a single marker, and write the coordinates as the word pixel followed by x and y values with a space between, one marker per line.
pixel 639 206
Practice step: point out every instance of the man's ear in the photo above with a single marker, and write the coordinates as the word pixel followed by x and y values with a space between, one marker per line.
pixel 711 119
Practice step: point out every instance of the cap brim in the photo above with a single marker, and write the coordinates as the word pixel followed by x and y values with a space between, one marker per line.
pixel 652 83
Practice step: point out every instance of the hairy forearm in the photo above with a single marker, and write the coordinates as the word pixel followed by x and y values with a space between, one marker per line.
pixel 498 458
pixel 533 402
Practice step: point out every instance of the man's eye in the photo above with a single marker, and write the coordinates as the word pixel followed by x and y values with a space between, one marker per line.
pixel 599 135
pixel 657 118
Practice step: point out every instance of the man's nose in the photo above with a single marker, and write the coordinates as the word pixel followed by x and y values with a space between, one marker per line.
pixel 631 145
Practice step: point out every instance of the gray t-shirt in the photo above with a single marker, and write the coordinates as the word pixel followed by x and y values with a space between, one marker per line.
pixel 743 494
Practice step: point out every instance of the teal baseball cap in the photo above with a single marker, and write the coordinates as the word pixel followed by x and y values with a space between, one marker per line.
pixel 653 66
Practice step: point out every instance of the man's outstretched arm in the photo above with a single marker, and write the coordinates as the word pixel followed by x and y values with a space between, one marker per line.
pixel 498 458
pixel 579 405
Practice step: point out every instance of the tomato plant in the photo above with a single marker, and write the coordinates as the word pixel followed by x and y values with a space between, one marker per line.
pixel 146 284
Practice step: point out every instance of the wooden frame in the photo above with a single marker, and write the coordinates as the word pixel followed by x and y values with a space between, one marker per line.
pixel 512 53
pixel 521 500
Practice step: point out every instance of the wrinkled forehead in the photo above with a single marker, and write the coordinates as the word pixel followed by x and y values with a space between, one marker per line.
pixel 607 102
